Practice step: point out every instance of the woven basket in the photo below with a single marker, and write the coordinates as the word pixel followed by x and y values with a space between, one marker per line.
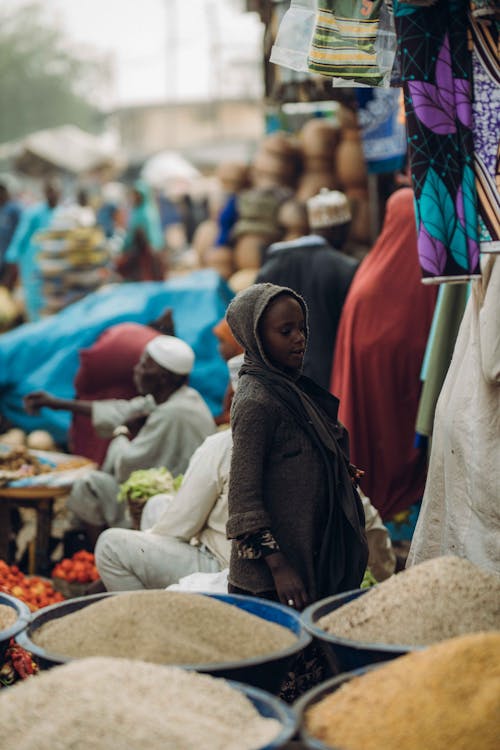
pixel 70 589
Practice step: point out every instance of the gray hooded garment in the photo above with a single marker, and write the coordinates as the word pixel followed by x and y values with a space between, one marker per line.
pixel 282 477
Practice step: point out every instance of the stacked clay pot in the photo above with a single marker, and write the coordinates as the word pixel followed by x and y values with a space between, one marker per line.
pixel 319 138
pixel 351 171
pixel 257 225
pixel 277 161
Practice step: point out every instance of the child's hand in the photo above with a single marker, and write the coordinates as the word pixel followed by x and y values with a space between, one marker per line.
pixel 356 474
pixel 289 586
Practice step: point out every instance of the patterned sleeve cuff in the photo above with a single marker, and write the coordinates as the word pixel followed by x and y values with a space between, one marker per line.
pixel 257 545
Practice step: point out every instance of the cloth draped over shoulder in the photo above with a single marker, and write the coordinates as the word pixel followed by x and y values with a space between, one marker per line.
pixel 338 552
pixel 380 346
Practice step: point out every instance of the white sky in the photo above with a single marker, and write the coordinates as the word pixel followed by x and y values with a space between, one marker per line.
pixel 161 49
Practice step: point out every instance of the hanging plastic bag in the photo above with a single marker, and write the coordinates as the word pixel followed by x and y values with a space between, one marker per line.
pixel 386 47
pixel 350 45
pixel 293 40
pixel 351 42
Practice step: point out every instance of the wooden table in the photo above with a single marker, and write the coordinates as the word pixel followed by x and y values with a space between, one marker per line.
pixel 42 500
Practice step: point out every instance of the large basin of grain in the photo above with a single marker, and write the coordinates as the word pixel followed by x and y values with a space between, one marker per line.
pixel 107 703
pixel 444 696
pixel 438 599
pixel 238 637
pixel 14 617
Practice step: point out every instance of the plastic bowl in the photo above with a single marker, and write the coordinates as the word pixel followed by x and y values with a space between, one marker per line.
pixel 317 694
pixel 23 617
pixel 344 654
pixel 266 671
pixel 271 707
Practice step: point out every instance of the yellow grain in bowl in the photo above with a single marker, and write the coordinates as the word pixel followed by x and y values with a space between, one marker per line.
pixel 446 697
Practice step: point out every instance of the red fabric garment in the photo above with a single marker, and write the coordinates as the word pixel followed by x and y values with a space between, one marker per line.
pixel 106 371
pixel 380 346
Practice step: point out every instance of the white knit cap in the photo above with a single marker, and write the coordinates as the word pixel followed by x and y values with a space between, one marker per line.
pixel 171 353
pixel 328 208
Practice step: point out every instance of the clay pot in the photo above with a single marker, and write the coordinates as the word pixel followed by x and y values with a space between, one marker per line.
pixel 319 137
pixel 275 167
pixel 280 144
pixel 242 279
pixel 360 223
pixel 221 260
pixel 349 161
pixel 347 118
pixel 204 238
pixel 292 216
pixel 233 176
pixel 311 183
pixel 248 250
pixel 317 163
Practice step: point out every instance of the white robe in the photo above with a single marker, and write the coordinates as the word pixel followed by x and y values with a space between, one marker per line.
pixel 460 512
pixel 172 432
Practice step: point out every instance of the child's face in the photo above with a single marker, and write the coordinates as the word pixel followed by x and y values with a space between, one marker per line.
pixel 283 333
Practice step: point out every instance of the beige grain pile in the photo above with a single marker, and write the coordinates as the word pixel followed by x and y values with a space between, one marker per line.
pixel 113 704
pixel 8 616
pixel 164 627
pixel 446 696
pixel 438 599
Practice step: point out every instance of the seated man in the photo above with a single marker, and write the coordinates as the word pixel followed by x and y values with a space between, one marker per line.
pixel 177 420
pixel 189 536
pixel 107 371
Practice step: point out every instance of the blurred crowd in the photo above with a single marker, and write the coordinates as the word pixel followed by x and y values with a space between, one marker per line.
pixel 65 239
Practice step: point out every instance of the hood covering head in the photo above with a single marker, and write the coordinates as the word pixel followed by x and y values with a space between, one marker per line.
pixel 244 314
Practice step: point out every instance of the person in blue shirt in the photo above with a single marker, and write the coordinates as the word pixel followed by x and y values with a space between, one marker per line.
pixel 22 250
pixel 10 213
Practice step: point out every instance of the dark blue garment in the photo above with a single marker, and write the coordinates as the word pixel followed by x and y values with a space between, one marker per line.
pixel 10 213
pixel 169 213
pixel 105 218
pixel 227 219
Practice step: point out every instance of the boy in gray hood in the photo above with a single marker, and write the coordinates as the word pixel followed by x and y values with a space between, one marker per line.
pixel 294 513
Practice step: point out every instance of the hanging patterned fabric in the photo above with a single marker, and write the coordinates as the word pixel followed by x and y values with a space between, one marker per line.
pixel 383 133
pixel 343 43
pixel 436 71
pixel 486 128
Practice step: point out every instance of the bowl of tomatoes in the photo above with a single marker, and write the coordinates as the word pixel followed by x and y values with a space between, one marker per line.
pixel 73 575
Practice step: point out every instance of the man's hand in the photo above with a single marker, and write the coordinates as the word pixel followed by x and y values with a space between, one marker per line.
pixel 34 401
pixel 289 586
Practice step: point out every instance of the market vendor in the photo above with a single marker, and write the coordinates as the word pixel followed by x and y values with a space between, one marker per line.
pixel 177 420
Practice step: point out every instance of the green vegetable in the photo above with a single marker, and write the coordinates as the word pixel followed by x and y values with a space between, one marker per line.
pixel 145 483
pixel 368 580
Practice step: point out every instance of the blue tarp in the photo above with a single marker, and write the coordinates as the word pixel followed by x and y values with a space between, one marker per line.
pixel 45 355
